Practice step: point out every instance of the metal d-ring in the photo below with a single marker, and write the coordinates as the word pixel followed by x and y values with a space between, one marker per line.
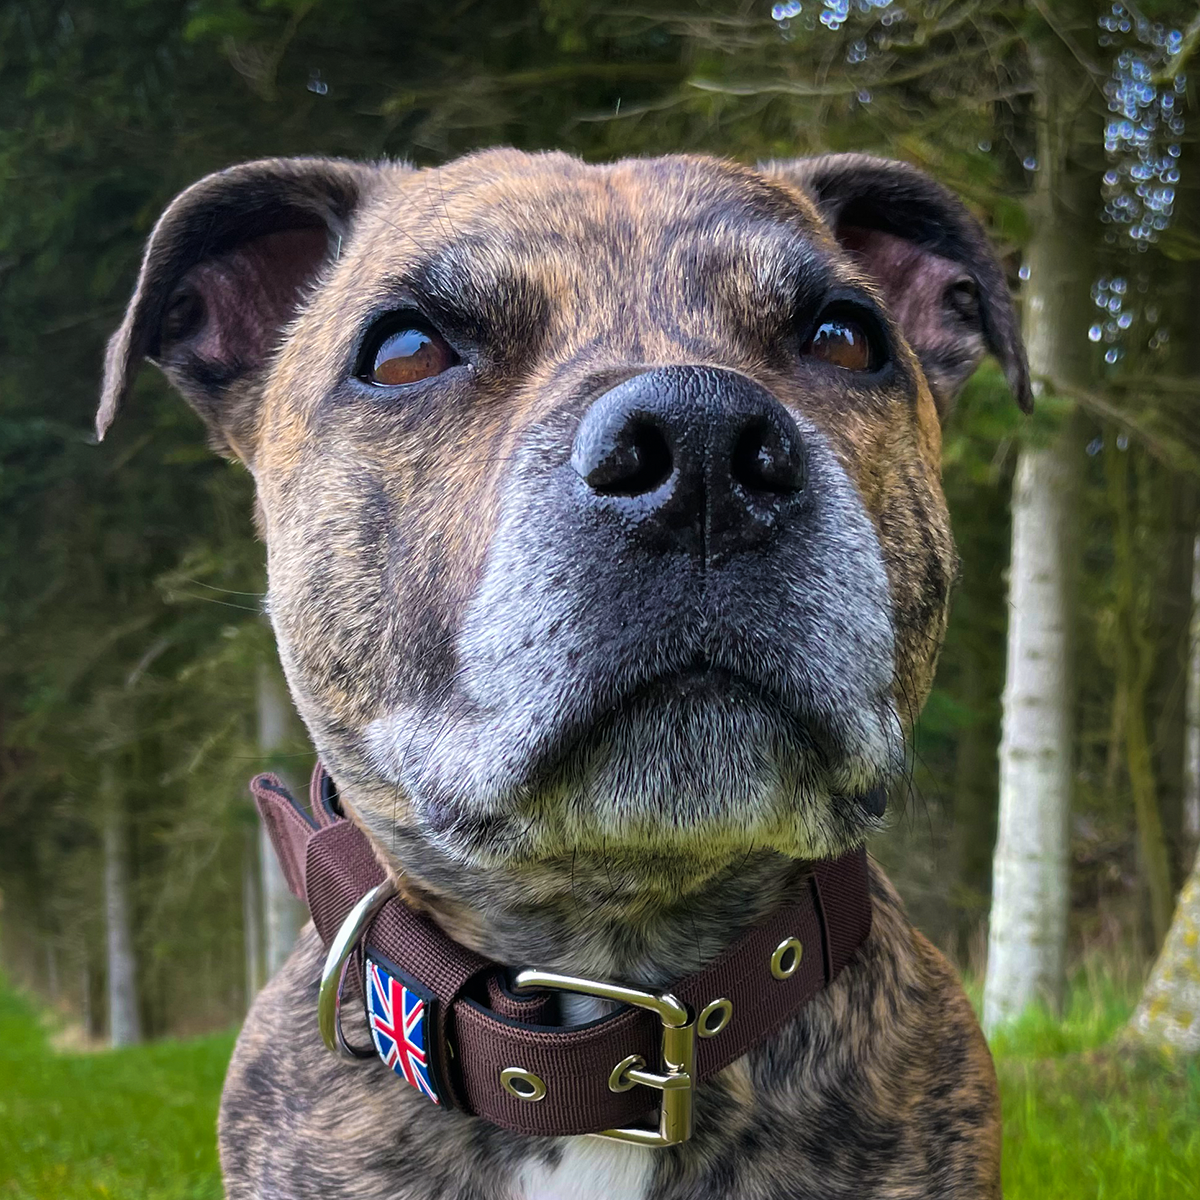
pixel 333 974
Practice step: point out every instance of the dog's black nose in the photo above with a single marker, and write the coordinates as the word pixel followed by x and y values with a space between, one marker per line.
pixel 705 457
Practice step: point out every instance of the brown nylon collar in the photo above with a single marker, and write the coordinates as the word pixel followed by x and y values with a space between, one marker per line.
pixel 479 1028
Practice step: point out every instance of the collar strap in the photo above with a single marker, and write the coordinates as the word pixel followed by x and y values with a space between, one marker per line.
pixel 451 1023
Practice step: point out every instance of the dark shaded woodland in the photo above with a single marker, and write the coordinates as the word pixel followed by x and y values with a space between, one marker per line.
pixel 138 689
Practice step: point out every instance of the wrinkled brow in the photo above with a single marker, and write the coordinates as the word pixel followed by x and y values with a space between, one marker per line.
pixel 762 269
pixel 773 264
pixel 470 286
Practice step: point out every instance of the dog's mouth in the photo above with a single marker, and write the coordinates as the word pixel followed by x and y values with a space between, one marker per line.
pixel 698 683
pixel 699 688
pixel 689 727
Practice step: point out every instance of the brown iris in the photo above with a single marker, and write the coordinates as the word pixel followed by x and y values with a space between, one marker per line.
pixel 409 355
pixel 842 342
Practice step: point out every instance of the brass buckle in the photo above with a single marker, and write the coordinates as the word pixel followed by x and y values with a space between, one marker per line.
pixel 329 998
pixel 676 1080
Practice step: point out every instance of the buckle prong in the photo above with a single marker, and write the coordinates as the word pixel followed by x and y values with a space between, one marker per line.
pixel 675 1081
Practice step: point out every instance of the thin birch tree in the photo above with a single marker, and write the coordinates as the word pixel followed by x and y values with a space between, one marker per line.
pixel 1030 893
pixel 252 913
pixel 124 1021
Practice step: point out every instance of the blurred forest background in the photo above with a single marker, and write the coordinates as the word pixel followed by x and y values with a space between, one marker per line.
pixel 138 684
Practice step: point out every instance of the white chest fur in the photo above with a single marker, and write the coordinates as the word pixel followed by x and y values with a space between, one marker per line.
pixel 590 1169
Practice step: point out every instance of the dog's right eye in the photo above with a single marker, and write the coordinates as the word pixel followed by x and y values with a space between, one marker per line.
pixel 843 342
pixel 849 336
pixel 406 353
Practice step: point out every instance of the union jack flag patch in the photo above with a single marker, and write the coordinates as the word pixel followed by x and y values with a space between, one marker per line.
pixel 399 1012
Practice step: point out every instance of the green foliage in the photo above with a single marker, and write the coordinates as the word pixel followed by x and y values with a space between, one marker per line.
pixel 1100 1126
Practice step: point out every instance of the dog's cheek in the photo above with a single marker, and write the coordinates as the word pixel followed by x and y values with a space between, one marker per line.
pixel 378 519
pixel 921 563
pixel 894 464
pixel 932 559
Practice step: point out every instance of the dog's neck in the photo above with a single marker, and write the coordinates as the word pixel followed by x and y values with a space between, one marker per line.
pixel 644 922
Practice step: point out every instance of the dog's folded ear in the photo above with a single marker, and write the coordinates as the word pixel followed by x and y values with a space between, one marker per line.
pixel 224 271
pixel 929 257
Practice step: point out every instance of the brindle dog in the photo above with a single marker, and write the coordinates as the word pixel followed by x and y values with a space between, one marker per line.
pixel 609 566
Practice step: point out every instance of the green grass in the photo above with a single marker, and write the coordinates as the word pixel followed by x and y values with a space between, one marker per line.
pixel 137 1123
pixel 1079 1120
pixel 1083 1120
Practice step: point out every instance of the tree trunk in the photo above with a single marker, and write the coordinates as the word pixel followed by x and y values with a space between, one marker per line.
pixel 974 805
pixel 1191 804
pixel 124 1025
pixel 1168 1015
pixel 1134 665
pixel 1173 533
pixel 279 736
pixel 1170 533
pixel 1175 607
pixel 1030 889
pixel 87 1009
pixel 1030 885
pixel 52 973
pixel 252 915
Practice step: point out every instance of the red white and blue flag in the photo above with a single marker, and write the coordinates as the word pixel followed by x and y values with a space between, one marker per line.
pixel 398 1021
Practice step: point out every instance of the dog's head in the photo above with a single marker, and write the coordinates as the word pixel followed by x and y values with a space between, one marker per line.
pixel 601 502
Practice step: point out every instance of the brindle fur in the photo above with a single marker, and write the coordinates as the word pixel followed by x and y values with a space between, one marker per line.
pixel 428 585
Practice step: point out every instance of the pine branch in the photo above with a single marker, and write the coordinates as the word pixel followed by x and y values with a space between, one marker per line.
pixel 1173 453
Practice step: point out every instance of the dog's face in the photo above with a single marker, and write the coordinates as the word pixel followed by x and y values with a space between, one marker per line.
pixel 601 503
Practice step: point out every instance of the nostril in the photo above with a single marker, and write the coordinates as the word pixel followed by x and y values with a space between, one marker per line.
pixel 631 460
pixel 768 459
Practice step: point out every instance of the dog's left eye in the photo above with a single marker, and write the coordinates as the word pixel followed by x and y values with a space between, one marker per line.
pixel 408 354
pixel 844 342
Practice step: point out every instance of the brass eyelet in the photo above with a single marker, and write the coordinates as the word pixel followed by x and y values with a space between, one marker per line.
pixel 619 1080
pixel 786 958
pixel 525 1085
pixel 713 1017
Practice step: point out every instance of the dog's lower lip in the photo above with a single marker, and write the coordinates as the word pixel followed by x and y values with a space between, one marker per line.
pixel 699 681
